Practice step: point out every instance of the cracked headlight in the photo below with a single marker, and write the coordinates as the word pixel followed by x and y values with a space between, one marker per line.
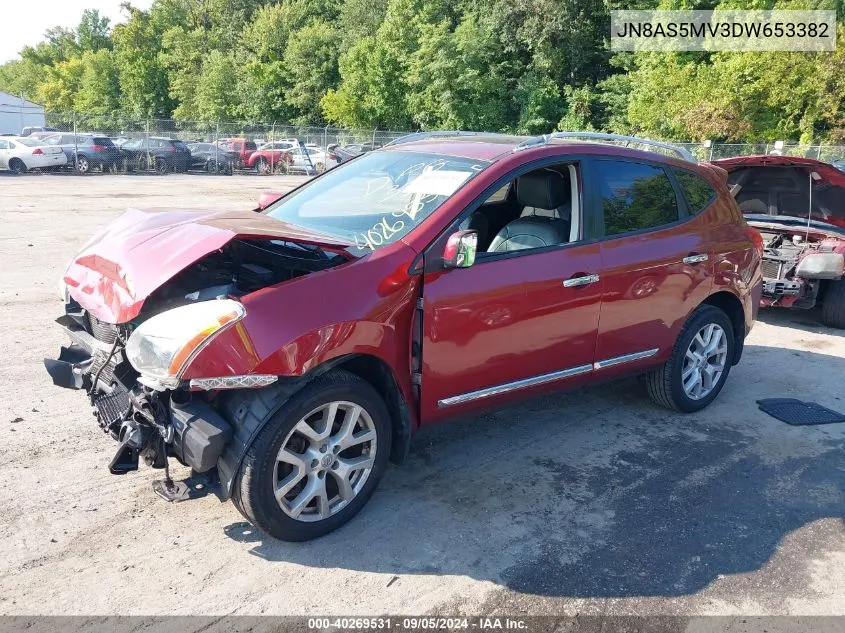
pixel 162 346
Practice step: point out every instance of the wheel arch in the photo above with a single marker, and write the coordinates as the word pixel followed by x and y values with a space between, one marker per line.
pixel 730 304
pixel 249 410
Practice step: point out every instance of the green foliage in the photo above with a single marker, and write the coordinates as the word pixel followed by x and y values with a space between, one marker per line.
pixel 523 66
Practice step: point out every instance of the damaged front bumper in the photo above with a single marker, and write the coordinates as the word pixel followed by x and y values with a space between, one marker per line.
pixel 147 424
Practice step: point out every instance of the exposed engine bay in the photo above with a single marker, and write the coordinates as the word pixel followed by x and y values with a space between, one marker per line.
pixel 241 267
pixel 789 275
pixel 152 422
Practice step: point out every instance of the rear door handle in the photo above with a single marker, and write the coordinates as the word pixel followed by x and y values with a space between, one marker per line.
pixel 586 280
pixel 695 259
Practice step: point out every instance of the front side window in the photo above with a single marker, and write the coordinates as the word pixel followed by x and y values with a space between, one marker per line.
pixel 377 199
pixel 634 196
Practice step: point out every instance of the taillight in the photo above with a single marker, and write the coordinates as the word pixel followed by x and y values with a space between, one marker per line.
pixel 172 149
pixel 37 151
pixel 99 148
pixel 756 237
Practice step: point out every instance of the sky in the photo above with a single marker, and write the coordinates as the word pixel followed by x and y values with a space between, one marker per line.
pixel 25 22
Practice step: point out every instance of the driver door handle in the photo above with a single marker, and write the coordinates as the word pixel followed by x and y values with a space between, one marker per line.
pixel 586 280
pixel 695 258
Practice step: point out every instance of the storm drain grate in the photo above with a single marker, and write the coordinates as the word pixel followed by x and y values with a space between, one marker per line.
pixel 798 413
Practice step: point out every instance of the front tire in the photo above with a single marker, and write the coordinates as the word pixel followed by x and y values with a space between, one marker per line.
pixel 700 363
pixel 317 461
pixel 263 167
pixel 833 306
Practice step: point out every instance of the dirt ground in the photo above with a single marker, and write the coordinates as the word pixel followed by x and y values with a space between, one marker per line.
pixel 594 502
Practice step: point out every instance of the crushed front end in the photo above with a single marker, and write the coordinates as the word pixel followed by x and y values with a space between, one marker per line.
pixel 148 421
pixel 797 264
pixel 145 299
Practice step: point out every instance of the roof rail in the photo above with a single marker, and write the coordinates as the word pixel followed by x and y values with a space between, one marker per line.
pixel 615 139
pixel 421 136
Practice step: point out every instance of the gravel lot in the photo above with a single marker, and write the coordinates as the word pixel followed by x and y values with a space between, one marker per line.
pixel 594 502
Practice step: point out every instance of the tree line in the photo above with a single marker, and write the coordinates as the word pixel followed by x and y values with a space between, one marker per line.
pixel 523 66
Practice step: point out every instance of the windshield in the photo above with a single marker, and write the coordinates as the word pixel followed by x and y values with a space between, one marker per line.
pixel 378 198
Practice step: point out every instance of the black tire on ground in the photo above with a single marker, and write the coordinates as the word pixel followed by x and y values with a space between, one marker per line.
pixel 833 305
pixel 665 384
pixel 83 165
pixel 161 166
pixel 17 166
pixel 252 491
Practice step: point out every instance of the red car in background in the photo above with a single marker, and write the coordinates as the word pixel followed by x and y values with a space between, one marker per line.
pixel 241 147
pixel 298 350
pixel 272 157
pixel 804 259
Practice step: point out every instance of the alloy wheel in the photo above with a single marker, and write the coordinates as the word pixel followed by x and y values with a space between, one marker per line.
pixel 705 361
pixel 82 165
pixel 325 461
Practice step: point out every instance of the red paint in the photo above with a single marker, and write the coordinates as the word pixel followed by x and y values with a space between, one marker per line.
pixel 495 322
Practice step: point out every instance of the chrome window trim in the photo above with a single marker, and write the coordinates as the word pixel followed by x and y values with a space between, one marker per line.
pixel 625 358
pixel 544 378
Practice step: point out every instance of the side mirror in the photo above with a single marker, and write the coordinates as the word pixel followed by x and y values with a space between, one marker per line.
pixel 267 198
pixel 460 249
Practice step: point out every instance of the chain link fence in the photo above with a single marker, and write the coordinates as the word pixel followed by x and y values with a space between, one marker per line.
pixel 267 148
pixel 161 145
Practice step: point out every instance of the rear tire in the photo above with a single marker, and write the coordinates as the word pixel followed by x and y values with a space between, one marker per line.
pixel 833 306
pixel 17 166
pixel 263 167
pixel 666 385
pixel 322 461
pixel 83 166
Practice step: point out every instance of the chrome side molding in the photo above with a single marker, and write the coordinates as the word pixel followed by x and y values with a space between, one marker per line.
pixel 513 386
pixel 544 378
pixel 625 358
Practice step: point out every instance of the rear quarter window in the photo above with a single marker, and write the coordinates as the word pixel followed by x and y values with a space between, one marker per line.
pixel 697 191
pixel 101 140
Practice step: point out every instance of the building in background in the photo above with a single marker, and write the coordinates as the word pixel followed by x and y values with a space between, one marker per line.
pixel 17 113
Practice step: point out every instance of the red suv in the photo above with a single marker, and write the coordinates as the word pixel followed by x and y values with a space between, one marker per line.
pixel 297 350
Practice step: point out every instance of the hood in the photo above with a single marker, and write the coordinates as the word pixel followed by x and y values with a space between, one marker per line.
pixel 795 225
pixel 142 249
pixel 828 173
pixel 781 184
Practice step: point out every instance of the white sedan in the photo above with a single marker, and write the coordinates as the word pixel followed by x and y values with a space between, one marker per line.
pixel 19 155
pixel 315 158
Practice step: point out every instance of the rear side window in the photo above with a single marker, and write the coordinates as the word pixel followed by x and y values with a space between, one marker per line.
pixel 250 145
pixel 697 191
pixel 634 196
pixel 180 145
pixel 102 140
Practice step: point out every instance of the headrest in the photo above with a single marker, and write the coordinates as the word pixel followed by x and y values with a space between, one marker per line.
pixel 542 189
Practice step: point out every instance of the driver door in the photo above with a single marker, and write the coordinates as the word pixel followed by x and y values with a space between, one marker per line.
pixel 512 324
